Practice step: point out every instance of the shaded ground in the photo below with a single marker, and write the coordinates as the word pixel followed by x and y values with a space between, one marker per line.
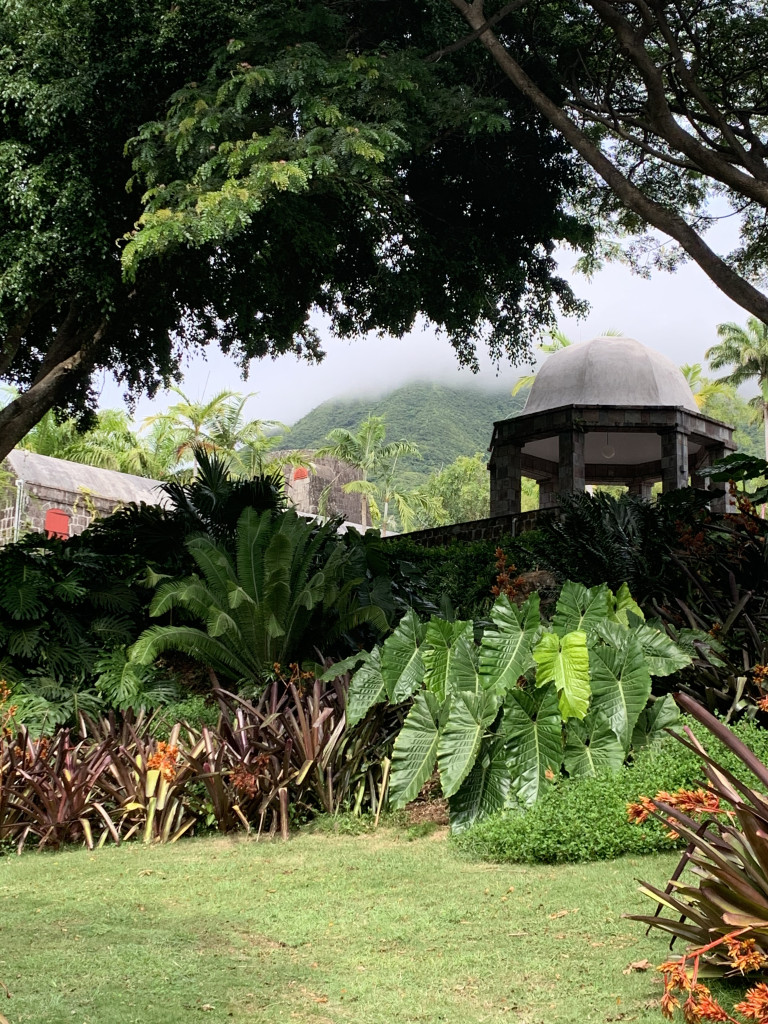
pixel 374 929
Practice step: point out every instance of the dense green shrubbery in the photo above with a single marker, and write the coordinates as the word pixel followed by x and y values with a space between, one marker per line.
pixel 461 572
pixel 586 818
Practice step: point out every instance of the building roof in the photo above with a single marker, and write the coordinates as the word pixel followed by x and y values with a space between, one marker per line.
pixel 609 372
pixel 77 478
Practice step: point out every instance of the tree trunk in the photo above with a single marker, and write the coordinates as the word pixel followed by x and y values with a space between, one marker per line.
pixel 70 352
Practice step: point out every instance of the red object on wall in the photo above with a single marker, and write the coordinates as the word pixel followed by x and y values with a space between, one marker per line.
pixel 300 473
pixel 57 523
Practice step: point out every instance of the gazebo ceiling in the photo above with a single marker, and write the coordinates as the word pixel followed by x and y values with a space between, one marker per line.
pixel 609 372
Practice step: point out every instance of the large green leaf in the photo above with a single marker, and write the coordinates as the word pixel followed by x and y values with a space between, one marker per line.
pixel 653 720
pixel 415 751
pixel 465 673
pixel 505 651
pixel 621 683
pixel 366 688
pixel 592 745
pixel 565 662
pixel 662 655
pixel 469 716
pixel 485 790
pixel 438 652
pixel 625 606
pixel 581 609
pixel 402 666
pixel 533 730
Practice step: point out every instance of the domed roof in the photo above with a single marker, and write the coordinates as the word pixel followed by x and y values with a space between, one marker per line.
pixel 609 371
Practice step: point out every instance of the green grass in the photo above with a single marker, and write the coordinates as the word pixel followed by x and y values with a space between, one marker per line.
pixel 327 929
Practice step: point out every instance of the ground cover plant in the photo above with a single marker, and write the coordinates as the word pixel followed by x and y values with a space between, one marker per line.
pixel 501 713
pixel 373 929
pixel 587 818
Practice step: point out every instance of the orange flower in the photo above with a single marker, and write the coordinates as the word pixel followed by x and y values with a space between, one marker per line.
pixel 639 812
pixel 755 1004
pixel 763 703
pixel 745 956
pixel 164 759
pixel 708 1008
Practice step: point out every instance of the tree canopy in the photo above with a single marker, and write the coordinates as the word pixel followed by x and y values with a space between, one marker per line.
pixel 665 102
pixel 258 163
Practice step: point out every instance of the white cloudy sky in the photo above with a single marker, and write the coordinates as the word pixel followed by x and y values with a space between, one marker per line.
pixel 674 313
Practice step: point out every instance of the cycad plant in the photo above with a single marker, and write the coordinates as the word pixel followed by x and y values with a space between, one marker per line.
pixel 290 587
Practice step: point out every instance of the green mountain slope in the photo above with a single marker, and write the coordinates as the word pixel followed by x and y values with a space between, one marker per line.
pixel 444 421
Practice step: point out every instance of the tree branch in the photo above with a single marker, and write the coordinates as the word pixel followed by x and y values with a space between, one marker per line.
pixel 466 40
pixel 665 220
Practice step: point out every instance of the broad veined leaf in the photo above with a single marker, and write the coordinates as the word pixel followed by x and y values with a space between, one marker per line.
pixel 621 683
pixel 366 688
pixel 465 672
pixel 505 650
pixel 438 650
pixel 565 662
pixel 533 731
pixel 580 609
pixel 469 716
pixel 415 751
pixel 626 606
pixel 662 654
pixel 591 745
pixel 485 790
pixel 653 720
pixel 401 663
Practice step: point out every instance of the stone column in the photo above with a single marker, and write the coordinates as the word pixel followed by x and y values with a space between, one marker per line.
pixel 725 503
pixel 547 489
pixel 641 489
pixel 504 466
pixel 571 475
pixel 674 460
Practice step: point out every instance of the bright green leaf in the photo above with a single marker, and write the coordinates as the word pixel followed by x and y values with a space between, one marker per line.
pixel 565 662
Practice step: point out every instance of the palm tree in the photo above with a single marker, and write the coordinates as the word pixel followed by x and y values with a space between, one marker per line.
pixel 218 425
pixel 746 350
pixel 367 452
pixel 704 389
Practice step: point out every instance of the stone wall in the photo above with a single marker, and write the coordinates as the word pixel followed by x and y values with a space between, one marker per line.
pixel 322 489
pixel 479 529
pixel 81 507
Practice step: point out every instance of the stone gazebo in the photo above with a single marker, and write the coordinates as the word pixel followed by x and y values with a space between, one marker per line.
pixel 607 411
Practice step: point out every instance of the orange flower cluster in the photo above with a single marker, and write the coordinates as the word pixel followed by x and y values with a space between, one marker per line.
pixel 699 1005
pixel 694 543
pixel 506 581
pixel 293 675
pixel 7 710
pixel 164 759
pixel 245 778
pixel 744 955
pixel 754 1006
pixel 760 677
pixel 693 802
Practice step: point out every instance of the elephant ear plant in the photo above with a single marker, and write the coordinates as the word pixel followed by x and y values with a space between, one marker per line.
pixel 500 715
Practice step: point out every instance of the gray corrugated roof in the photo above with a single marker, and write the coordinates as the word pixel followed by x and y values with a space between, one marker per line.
pixel 75 477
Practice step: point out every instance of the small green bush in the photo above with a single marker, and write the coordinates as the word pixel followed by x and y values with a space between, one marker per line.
pixel 195 711
pixel 586 818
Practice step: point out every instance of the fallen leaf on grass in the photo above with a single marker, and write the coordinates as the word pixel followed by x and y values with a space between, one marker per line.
pixel 560 913
pixel 4 1020
pixel 638 965
pixel 207 1006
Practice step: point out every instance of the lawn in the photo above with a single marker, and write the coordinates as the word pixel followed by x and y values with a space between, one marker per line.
pixel 321 930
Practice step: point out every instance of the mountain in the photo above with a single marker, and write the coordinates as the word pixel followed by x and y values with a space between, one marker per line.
pixel 444 421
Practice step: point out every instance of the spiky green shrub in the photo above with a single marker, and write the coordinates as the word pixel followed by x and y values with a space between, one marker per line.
pixel 290 588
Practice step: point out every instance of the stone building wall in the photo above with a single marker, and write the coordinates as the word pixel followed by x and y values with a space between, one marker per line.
pixel 319 489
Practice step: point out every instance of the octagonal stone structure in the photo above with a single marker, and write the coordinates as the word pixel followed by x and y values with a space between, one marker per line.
pixel 607 411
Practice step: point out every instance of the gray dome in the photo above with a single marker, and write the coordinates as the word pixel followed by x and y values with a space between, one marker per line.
pixel 609 371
